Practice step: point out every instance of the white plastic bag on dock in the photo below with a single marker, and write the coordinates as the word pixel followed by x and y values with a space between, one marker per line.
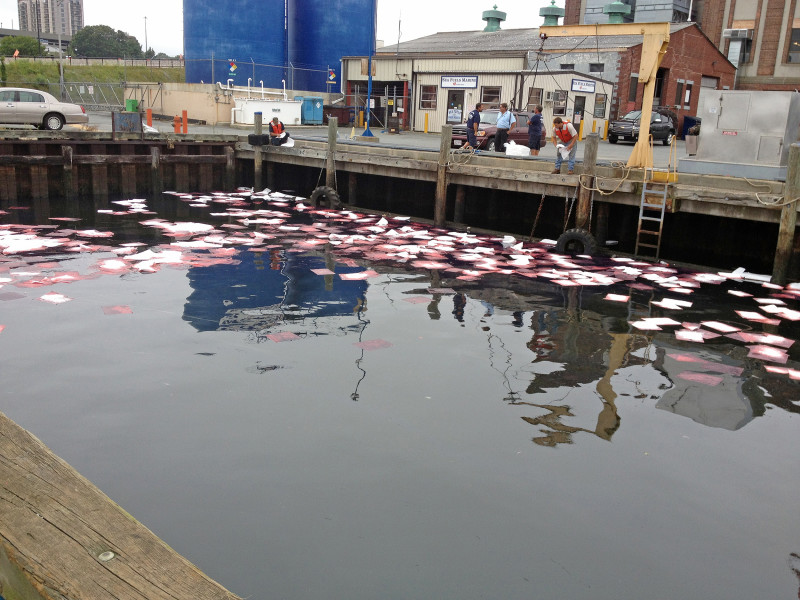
pixel 289 143
pixel 564 151
pixel 513 149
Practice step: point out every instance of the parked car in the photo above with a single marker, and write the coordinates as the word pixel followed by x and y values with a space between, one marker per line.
pixel 662 127
pixel 488 128
pixel 34 107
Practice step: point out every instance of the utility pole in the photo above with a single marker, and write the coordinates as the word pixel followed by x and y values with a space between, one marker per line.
pixel 145 38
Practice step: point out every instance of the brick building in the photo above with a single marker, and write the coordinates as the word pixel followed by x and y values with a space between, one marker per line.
pixel 692 66
pixel 760 37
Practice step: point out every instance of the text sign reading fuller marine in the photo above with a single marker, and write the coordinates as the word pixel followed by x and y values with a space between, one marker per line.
pixel 581 85
pixel 461 81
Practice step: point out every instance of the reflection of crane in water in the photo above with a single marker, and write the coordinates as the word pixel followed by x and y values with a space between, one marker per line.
pixel 579 364
pixel 608 420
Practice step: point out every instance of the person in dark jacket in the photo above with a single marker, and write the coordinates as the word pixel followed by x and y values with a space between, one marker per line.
pixel 535 128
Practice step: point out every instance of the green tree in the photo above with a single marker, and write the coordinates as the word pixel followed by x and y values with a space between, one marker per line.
pixel 101 41
pixel 27 46
pixel 3 72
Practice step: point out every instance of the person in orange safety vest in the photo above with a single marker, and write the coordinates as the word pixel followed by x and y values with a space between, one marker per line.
pixel 564 134
pixel 277 132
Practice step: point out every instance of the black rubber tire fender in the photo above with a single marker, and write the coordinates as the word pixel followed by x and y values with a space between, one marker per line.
pixel 576 241
pixel 326 194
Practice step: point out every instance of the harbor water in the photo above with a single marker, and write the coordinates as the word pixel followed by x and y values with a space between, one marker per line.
pixel 318 404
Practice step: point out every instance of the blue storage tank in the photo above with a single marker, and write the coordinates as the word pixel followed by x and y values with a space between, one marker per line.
pixel 246 38
pixel 320 34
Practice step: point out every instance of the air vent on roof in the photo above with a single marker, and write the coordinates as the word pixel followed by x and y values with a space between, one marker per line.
pixel 737 34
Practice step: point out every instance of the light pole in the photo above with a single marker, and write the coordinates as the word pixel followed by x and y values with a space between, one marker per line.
pixel 145 38
pixel 60 8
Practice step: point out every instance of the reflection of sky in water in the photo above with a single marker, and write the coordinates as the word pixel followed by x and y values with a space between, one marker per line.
pixel 654 468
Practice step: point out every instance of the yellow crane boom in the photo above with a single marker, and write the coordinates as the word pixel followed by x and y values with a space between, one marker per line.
pixel 654 46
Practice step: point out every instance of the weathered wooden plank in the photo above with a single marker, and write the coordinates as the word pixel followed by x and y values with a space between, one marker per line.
pixel 68 174
pixel 99 173
pixel 128 169
pixel 181 167
pixel 206 169
pixel 55 527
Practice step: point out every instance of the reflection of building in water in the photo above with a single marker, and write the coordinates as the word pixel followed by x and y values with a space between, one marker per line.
pixel 584 361
pixel 265 289
pixel 713 389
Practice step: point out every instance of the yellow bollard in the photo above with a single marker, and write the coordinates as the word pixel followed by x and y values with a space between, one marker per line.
pixel 580 130
pixel 594 126
pixel 426 123
pixel 605 130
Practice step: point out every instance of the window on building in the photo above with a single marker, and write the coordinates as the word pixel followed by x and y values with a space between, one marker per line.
pixel 794 47
pixel 534 97
pixel 687 95
pixel 600 106
pixel 490 95
pixel 559 103
pixel 747 52
pixel 567 66
pixel 427 97
pixel 632 88
pixel 678 94
pixel 596 67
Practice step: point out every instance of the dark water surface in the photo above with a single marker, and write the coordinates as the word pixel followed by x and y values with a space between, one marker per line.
pixel 499 435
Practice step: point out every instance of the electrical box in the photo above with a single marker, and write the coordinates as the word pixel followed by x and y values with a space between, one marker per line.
pixel 745 134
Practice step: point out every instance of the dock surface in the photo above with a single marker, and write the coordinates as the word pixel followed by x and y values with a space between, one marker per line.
pixel 57 530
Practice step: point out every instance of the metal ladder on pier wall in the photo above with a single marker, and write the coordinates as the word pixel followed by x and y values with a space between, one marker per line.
pixel 652 206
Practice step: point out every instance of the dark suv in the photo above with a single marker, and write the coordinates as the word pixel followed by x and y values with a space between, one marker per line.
pixel 488 128
pixel 662 127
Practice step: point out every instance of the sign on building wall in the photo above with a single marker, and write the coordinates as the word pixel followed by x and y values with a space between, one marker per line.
pixel 459 81
pixel 581 85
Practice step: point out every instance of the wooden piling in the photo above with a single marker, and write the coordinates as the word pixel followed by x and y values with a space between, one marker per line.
pixel 257 157
pixel 68 174
pixel 786 227
pixel 330 165
pixel 230 168
pixel 182 182
pixel 583 211
pixel 440 205
pixel 8 180
pixel 99 177
pixel 156 179
pixel 461 194
pixel 206 170
pixel 352 188
pixel 39 182
pixel 128 183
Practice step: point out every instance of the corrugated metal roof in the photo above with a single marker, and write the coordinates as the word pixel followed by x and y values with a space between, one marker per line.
pixel 512 40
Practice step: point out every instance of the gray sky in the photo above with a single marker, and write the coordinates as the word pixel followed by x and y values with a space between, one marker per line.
pixel 417 18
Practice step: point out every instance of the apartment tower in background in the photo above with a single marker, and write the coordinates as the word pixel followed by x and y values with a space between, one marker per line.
pixel 51 16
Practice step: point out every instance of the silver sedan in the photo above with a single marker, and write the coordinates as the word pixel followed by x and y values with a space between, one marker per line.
pixel 34 107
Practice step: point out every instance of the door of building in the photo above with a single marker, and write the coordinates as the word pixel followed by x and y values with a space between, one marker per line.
pixel 579 107
pixel 455 106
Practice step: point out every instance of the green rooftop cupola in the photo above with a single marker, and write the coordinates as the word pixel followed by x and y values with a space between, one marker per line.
pixel 493 19
pixel 617 11
pixel 551 14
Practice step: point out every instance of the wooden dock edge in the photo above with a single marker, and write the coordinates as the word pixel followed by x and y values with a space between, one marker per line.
pixel 57 530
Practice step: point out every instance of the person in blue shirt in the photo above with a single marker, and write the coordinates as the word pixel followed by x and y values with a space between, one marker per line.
pixel 505 123
pixel 473 122
pixel 535 127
